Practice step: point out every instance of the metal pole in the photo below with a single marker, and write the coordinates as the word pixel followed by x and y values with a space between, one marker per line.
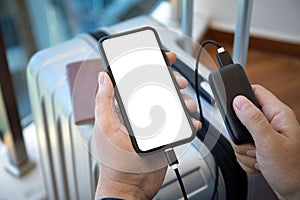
pixel 187 25
pixel 241 36
pixel 13 138
pixel 187 17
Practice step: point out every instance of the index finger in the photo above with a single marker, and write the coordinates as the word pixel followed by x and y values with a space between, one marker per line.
pixel 171 57
pixel 269 103
pixel 278 114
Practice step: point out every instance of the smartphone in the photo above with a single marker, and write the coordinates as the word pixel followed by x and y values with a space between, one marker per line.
pixel 146 91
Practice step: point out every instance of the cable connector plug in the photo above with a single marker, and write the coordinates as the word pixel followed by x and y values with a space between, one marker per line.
pixel 224 57
pixel 171 157
pixel 173 162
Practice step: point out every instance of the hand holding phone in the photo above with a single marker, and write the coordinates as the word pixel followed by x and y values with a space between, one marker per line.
pixel 152 108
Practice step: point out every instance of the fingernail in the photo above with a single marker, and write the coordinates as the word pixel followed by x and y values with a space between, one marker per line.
pixel 100 79
pixel 238 102
pixel 256 166
pixel 183 79
pixel 251 153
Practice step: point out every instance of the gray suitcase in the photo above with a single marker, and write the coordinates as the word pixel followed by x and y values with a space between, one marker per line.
pixel 70 171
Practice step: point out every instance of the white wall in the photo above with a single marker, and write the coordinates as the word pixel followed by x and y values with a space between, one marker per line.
pixel 271 19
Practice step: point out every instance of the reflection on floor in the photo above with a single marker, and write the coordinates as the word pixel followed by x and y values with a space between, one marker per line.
pixel 30 186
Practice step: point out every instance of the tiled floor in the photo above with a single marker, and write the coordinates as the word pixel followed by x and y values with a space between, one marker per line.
pixel 28 187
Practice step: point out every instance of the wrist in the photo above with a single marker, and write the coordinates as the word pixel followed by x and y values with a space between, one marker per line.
pixel 293 196
pixel 115 189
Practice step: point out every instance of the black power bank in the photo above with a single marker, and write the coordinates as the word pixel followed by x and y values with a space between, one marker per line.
pixel 227 83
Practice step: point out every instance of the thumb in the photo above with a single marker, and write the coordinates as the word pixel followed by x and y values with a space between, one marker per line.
pixel 104 103
pixel 253 119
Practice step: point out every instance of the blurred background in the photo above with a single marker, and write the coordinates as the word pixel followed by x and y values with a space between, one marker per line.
pixel 27 27
pixel 32 25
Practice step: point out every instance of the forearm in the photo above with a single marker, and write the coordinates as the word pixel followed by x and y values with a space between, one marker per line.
pixel 109 188
pixel 295 195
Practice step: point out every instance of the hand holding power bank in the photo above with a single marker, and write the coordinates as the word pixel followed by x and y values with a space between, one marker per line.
pixel 227 83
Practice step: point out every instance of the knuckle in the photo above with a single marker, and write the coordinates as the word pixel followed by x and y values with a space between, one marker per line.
pixel 287 111
pixel 257 86
pixel 254 116
pixel 247 169
pixel 243 148
pixel 176 74
pixel 238 149
pixel 246 160
pixel 184 96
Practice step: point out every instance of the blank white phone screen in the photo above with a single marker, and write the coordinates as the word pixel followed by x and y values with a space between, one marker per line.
pixel 149 96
